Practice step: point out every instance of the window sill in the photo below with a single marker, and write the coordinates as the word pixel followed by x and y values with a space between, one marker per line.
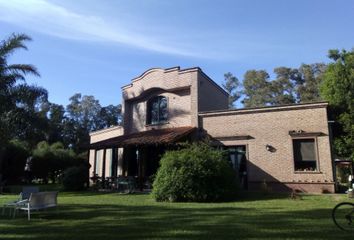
pixel 307 172
pixel 156 124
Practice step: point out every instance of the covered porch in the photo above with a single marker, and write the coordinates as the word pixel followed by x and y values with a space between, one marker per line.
pixel 133 159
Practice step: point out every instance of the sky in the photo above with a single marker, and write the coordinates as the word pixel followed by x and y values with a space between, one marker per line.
pixel 94 47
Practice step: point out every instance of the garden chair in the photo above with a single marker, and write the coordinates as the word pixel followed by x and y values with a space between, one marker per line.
pixel 37 201
pixel 24 195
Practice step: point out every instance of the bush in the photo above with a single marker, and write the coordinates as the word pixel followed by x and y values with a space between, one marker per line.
pixel 197 173
pixel 49 161
pixel 14 161
pixel 75 178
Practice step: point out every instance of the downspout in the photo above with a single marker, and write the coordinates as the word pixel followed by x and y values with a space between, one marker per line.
pixel 330 131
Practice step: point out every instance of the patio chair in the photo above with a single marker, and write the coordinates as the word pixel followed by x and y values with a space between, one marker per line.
pixel 126 184
pixel 24 195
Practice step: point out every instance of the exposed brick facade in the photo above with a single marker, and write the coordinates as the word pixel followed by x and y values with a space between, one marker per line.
pixel 190 93
pixel 271 126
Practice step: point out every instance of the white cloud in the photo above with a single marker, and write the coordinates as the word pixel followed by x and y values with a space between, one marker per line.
pixel 48 18
pixel 203 43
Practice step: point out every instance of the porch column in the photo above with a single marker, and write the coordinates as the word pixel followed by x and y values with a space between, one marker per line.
pixel 94 163
pixel 104 165
pixel 140 168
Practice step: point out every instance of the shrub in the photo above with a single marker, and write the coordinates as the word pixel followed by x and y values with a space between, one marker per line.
pixel 13 161
pixel 75 178
pixel 197 173
pixel 49 161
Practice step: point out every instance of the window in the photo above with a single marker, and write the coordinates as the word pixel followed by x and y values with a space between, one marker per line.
pixel 304 154
pixel 237 156
pixel 157 110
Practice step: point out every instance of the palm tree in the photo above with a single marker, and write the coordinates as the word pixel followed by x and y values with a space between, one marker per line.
pixel 16 97
pixel 11 73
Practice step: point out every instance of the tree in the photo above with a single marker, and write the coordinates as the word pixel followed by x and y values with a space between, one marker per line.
pixel 85 114
pixel 56 119
pixel 257 88
pixel 308 80
pixel 14 97
pixel 282 88
pixel 231 85
pixel 14 160
pixel 338 89
pixel 110 116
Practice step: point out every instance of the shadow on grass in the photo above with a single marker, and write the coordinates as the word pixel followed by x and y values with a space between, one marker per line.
pixel 110 221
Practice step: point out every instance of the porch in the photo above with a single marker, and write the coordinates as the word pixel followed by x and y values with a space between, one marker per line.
pixel 130 161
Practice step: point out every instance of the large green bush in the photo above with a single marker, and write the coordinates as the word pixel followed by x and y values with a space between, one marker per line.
pixel 49 161
pixel 75 178
pixel 197 173
pixel 13 161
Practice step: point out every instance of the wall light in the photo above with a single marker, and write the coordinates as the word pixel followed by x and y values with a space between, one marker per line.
pixel 270 148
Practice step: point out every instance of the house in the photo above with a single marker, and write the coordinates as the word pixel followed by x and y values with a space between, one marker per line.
pixel 286 147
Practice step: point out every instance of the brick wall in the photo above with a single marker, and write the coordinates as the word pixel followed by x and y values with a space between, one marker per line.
pixel 210 95
pixel 178 86
pixel 271 126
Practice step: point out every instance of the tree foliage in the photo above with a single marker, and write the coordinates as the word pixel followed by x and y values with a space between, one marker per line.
pixel 19 102
pixel 338 89
pixel 308 80
pixel 49 161
pixel 15 155
pixel 231 85
pixel 291 85
pixel 257 88
pixel 282 88
pixel 85 114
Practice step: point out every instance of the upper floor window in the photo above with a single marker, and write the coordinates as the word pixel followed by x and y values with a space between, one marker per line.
pixel 157 110
pixel 305 154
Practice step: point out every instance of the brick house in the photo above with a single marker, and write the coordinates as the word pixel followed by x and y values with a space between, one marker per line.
pixel 288 147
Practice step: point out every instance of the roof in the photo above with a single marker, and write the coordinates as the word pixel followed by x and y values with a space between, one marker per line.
pixel 264 109
pixel 109 129
pixel 180 71
pixel 151 137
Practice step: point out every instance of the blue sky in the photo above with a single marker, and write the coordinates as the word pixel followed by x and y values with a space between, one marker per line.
pixel 94 47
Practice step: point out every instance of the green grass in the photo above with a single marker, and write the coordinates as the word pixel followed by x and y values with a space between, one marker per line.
pixel 98 216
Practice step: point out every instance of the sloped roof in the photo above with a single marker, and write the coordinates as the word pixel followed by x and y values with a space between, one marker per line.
pixel 151 137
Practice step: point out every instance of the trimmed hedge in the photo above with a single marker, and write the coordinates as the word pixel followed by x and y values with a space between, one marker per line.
pixel 197 173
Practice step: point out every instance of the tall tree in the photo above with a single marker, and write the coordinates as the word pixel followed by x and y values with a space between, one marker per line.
pixel 81 118
pixel 110 116
pixel 10 74
pixel 338 89
pixel 308 81
pixel 282 88
pixel 56 119
pixel 15 99
pixel 257 88
pixel 85 114
pixel 231 84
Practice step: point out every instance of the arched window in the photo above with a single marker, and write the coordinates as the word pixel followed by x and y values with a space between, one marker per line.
pixel 157 110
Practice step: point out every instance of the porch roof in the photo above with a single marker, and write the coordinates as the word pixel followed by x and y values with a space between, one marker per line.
pixel 151 137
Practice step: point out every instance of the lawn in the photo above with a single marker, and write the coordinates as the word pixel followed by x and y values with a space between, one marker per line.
pixel 89 215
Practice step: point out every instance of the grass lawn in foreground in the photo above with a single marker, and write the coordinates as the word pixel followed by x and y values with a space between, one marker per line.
pixel 89 215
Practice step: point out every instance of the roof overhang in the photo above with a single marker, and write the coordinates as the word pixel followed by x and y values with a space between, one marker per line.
pixel 162 136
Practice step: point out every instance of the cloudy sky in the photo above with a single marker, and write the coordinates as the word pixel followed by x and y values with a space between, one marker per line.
pixel 96 46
